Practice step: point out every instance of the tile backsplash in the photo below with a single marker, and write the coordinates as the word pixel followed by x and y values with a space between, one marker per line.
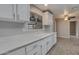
pixel 10 28
pixel 48 28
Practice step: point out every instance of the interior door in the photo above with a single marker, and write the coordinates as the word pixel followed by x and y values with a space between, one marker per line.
pixel 73 28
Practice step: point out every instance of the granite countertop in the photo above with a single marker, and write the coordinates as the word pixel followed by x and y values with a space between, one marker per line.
pixel 8 43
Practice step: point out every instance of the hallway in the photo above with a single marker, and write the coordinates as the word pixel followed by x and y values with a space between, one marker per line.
pixel 65 47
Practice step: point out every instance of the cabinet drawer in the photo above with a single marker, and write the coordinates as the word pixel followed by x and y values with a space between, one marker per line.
pixel 36 51
pixel 33 46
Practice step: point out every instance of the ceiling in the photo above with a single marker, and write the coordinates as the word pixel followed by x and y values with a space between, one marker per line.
pixel 58 9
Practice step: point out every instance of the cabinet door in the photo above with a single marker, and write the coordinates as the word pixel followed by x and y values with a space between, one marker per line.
pixel 36 51
pixel 34 48
pixel 47 18
pixel 23 12
pixel 18 52
pixel 50 42
pixel 44 48
pixel 50 19
pixel 54 38
pixel 6 11
pixel 47 43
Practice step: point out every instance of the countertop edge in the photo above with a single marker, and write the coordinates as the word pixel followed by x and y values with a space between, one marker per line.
pixel 23 45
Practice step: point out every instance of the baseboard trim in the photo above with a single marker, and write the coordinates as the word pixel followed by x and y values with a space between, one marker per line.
pixel 63 38
pixel 67 38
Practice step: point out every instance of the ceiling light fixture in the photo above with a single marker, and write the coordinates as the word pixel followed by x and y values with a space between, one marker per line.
pixel 45 4
pixel 66 17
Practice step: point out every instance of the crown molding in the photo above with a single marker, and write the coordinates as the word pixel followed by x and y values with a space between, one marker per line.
pixel 48 11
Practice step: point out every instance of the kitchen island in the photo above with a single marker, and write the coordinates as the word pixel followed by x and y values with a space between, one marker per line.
pixel 28 43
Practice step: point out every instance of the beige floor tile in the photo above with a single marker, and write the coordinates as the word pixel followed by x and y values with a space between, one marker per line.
pixel 65 47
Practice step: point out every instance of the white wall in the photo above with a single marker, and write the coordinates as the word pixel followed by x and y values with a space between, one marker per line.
pixel 62 28
pixel 7 28
pixel 77 28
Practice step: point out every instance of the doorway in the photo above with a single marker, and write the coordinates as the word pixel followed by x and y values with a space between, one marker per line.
pixel 72 29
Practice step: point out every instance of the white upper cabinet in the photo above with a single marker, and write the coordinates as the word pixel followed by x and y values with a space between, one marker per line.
pixel 23 12
pixel 15 12
pixel 47 18
pixel 6 11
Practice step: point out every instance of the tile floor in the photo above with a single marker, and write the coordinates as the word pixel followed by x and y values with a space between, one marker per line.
pixel 65 47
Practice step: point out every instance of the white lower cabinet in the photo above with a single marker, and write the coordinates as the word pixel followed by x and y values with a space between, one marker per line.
pixel 51 40
pixel 49 43
pixel 46 45
pixel 55 38
pixel 35 52
pixel 36 48
pixel 43 47
pixel 20 51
